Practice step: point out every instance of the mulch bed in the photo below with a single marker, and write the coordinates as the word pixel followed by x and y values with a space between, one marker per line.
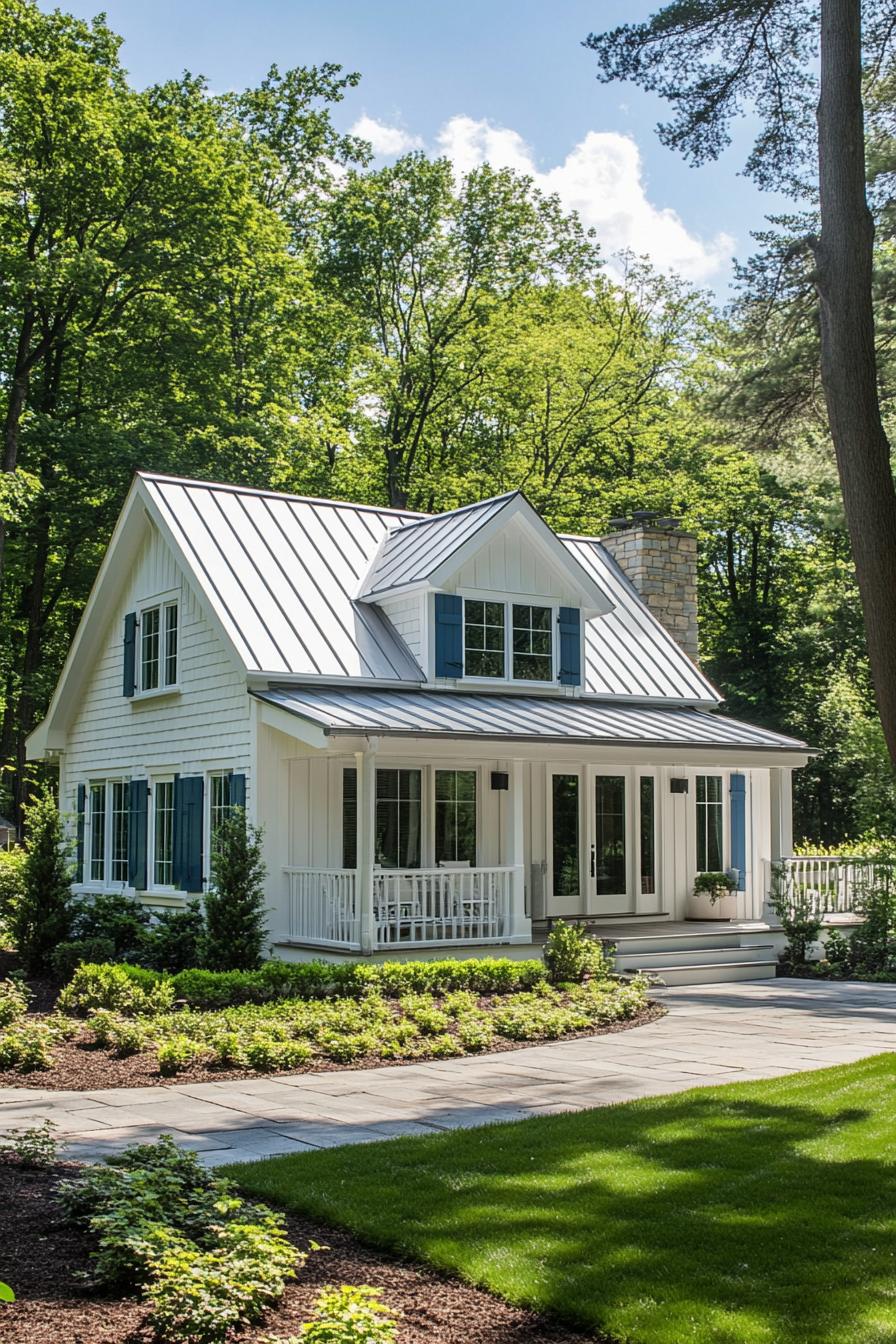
pixel 40 1258
pixel 85 1067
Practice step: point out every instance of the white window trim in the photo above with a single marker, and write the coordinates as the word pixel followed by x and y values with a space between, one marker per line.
pixel 508 601
pixel 173 597
pixel 431 827
pixel 152 886
pixel 220 772
pixel 87 883
pixel 725 776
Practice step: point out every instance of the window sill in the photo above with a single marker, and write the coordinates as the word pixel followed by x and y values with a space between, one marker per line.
pixel 140 697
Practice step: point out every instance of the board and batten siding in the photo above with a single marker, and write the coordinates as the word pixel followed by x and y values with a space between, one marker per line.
pixel 205 725
pixel 511 564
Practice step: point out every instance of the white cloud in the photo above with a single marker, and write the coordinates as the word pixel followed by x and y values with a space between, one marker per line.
pixel 602 178
pixel 387 141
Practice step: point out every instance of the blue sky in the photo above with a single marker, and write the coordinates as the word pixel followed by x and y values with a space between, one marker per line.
pixel 503 79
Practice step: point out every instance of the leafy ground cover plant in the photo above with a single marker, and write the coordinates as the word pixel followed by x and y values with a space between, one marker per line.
pixel 206 1260
pixel 36 1149
pixel 347 1315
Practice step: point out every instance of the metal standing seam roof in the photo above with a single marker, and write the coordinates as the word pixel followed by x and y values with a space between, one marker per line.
pixel 282 574
pixel 522 718
pixel 409 554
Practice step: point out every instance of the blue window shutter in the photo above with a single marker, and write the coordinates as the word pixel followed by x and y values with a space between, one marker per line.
pixel 737 786
pixel 129 684
pixel 449 635
pixel 238 791
pixel 188 828
pixel 569 620
pixel 79 863
pixel 137 808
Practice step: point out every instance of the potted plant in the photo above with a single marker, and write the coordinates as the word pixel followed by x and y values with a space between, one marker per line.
pixel 713 897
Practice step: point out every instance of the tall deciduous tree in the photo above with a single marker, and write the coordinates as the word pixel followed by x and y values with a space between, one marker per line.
pixel 711 58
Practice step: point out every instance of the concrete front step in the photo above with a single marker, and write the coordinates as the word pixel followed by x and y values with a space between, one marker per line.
pixel 694 956
pixel 717 972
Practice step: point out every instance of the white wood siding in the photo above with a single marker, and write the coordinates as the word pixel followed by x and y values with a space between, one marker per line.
pixel 510 564
pixel 206 725
pixel 406 615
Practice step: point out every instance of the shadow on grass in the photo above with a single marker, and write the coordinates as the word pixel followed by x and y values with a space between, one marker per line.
pixel 753 1212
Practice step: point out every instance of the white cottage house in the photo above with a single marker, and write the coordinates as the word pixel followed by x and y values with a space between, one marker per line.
pixel 453 728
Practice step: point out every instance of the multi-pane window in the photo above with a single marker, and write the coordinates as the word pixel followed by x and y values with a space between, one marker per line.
pixel 565 845
pixel 398 818
pixel 710 817
pixel 218 808
pixel 610 835
pixel 120 820
pixel 97 832
pixel 483 639
pixel 533 658
pixel 158 646
pixel 647 790
pixel 455 817
pixel 163 833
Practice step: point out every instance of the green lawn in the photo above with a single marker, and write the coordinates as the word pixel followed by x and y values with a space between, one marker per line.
pixel 757 1213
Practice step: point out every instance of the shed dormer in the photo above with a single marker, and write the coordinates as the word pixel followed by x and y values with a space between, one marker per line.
pixel 486 594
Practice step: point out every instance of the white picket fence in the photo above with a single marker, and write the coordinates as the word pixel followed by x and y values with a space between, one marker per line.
pixel 413 905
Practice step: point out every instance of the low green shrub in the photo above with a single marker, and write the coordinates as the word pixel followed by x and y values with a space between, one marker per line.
pixel 208 1262
pixel 68 956
pixel 176 940
pixel 571 954
pixel 348 1315
pixel 121 988
pixel 796 910
pixel 27 1047
pixel 14 998
pixel 177 1053
pixel 36 1149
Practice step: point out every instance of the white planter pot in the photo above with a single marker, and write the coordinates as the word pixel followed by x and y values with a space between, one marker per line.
pixel 701 907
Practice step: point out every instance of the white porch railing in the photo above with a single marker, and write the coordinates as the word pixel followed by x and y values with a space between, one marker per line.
pixel 442 905
pixel 830 885
pixel 413 905
pixel 322 907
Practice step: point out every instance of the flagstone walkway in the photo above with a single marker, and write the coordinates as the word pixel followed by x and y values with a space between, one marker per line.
pixel 712 1034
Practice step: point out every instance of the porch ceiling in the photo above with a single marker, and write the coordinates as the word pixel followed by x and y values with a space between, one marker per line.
pixel 520 718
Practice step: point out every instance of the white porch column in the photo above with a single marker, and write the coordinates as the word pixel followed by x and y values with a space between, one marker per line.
pixel 365 767
pixel 515 852
pixel 780 778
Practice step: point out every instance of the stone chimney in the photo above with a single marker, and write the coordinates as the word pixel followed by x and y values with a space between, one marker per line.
pixel 661 562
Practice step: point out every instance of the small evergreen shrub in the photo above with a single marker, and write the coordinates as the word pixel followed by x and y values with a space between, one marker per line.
pixel 176 941
pixel 68 956
pixel 798 916
pixel 234 907
pixel 115 917
pixel 123 989
pixel 43 916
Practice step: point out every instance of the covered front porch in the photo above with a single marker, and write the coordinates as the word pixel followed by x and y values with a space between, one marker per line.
pixel 405 823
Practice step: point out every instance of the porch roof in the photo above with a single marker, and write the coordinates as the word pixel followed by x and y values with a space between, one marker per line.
pixel 521 718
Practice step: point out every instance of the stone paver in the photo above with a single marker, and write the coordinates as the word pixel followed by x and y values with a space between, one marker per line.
pixel 712 1034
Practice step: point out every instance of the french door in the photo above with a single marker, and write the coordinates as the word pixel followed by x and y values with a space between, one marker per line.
pixel 611 860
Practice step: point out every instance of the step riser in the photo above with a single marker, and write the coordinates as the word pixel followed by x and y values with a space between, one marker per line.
pixel 678 943
pixel 714 975
pixel 704 956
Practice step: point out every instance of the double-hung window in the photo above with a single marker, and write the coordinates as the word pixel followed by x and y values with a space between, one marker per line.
pixel 158 646
pixel 710 818
pixel 508 640
pixel 107 831
pixel 219 803
pixel 399 803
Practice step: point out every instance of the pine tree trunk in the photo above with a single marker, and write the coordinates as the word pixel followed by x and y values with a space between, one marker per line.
pixel 844 260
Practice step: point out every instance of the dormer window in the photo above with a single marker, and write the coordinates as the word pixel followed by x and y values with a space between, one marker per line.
pixel 508 640
pixel 484 639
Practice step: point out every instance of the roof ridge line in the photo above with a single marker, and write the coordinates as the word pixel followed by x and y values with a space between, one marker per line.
pixel 267 493
pixel 461 508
